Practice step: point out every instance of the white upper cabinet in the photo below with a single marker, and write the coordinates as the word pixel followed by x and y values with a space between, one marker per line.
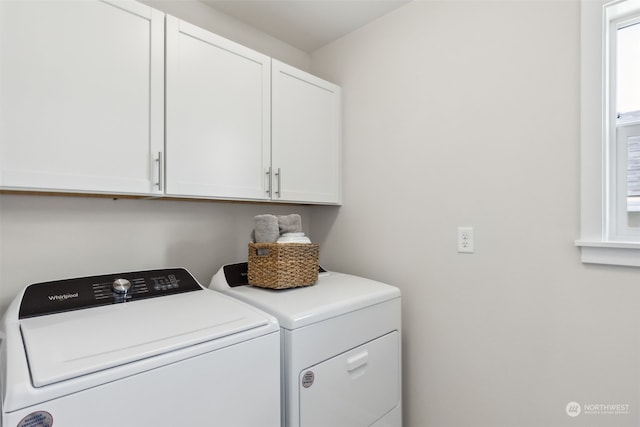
pixel 217 117
pixel 114 97
pixel 306 137
pixel 81 96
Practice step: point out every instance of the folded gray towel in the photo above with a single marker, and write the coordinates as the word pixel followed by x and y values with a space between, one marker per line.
pixel 266 229
pixel 290 223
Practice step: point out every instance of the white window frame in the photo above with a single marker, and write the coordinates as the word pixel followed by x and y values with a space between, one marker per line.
pixel 598 242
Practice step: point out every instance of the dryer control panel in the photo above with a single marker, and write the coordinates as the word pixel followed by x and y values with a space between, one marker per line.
pixel 238 274
pixel 73 294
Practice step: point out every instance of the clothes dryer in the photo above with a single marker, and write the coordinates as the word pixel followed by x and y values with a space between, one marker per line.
pixel 341 347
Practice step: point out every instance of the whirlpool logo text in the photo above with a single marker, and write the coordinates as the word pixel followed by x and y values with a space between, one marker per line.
pixel 62 297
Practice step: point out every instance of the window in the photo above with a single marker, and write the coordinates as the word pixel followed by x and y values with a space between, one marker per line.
pixel 610 132
pixel 622 49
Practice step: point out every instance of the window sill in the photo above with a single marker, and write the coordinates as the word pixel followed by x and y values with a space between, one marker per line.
pixel 611 253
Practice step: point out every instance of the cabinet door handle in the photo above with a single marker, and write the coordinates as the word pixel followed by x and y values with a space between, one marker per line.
pixel 270 182
pixel 279 176
pixel 160 171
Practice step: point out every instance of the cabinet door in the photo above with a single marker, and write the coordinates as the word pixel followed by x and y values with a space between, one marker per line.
pixel 81 96
pixel 306 137
pixel 217 121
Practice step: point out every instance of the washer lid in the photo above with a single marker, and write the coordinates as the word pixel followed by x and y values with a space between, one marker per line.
pixel 333 294
pixel 74 343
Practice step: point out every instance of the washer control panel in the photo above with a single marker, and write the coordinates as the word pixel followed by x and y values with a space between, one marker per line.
pixel 74 294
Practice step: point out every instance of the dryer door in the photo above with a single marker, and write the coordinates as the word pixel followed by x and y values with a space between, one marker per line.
pixel 353 389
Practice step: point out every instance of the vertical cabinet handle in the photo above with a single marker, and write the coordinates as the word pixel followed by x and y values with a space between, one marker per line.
pixel 279 179
pixel 270 190
pixel 269 182
pixel 160 171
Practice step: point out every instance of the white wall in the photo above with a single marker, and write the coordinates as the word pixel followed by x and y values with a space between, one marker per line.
pixel 200 14
pixel 46 238
pixel 467 113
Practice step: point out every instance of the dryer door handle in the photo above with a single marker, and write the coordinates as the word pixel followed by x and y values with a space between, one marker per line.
pixel 358 360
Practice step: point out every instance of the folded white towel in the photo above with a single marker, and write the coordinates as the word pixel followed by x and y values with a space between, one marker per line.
pixel 294 238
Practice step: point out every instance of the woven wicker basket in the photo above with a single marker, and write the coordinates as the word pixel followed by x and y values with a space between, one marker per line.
pixel 283 265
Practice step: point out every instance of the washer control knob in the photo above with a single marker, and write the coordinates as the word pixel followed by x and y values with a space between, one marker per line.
pixel 121 286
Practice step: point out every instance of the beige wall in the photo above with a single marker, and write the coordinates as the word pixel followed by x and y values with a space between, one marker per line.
pixel 467 114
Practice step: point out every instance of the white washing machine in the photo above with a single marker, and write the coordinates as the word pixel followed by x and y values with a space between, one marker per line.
pixel 341 347
pixel 147 348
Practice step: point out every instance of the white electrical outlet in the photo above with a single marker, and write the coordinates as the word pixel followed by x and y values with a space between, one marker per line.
pixel 465 240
